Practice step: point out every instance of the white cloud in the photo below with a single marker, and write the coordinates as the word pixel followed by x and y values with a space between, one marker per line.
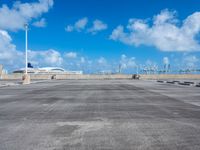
pixel 190 60
pixel 149 62
pixel 41 23
pixel 71 55
pixel 98 25
pixel 119 35
pixel 102 61
pixel 127 63
pixel 49 57
pixel 166 32
pixel 12 58
pixel 102 65
pixel 69 28
pixel 81 25
pixel 78 26
pixel 82 60
pixel 8 53
pixel 14 18
pixel 166 60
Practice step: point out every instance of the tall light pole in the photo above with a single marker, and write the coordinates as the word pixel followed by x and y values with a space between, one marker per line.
pixel 26 77
pixel 26 48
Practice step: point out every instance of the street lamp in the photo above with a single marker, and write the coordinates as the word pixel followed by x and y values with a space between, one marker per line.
pixel 26 77
pixel 26 48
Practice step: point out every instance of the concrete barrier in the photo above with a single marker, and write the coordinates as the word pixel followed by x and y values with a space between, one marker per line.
pixel 99 77
pixel 170 76
pixel 66 77
pixel 19 76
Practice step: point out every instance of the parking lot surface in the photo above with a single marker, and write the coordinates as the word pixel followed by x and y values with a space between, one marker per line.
pixel 99 115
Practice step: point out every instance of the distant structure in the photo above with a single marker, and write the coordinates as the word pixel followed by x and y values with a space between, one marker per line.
pixel 149 70
pixel 105 72
pixel 1 69
pixel 120 68
pixel 29 65
pixel 46 70
pixel 166 68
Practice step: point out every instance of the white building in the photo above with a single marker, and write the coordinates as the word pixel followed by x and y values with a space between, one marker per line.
pixel 47 70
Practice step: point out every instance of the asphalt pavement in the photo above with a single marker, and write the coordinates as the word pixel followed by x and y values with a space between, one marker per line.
pixel 99 115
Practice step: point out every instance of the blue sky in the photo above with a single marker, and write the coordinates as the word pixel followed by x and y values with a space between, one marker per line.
pixel 96 35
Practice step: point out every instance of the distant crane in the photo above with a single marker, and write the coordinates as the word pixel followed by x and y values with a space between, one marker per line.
pixel 120 68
